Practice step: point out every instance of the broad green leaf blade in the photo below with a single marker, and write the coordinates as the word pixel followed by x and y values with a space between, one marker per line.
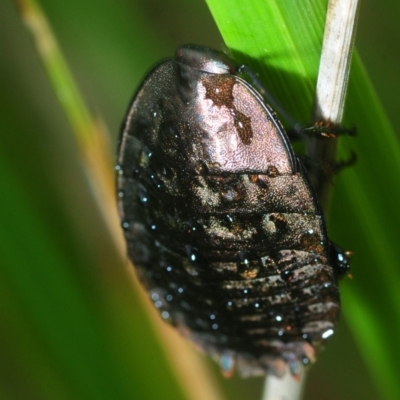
pixel 281 41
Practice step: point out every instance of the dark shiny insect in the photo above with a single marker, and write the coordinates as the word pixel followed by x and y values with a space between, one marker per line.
pixel 220 220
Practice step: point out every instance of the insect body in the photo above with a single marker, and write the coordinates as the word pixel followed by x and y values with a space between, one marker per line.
pixel 220 220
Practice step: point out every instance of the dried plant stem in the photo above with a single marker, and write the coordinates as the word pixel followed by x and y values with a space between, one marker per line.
pixel 329 103
pixel 331 86
pixel 285 388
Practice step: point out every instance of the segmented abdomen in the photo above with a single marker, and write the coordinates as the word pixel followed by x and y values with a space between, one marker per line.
pixel 230 260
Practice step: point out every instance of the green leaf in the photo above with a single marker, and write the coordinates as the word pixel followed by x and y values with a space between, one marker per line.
pixel 281 41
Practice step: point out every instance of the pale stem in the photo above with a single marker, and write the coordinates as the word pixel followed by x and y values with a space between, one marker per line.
pixel 331 87
pixel 286 388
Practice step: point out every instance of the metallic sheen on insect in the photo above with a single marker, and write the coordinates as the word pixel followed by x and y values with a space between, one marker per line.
pixel 220 220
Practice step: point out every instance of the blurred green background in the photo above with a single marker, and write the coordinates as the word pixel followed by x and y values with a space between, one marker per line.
pixel 71 324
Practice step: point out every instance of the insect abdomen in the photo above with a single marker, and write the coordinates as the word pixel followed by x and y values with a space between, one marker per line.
pixel 232 249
